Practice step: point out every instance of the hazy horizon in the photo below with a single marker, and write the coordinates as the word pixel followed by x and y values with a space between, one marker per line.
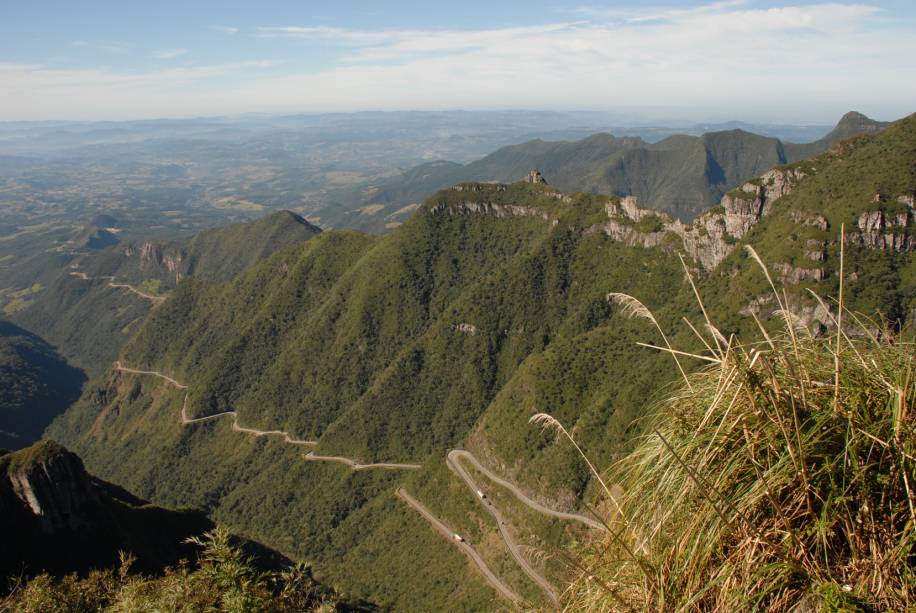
pixel 789 61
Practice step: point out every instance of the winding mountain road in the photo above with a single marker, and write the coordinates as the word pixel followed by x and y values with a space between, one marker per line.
pixel 185 420
pixel 461 454
pixel 313 457
pixel 503 589
pixel 452 460
pixel 111 283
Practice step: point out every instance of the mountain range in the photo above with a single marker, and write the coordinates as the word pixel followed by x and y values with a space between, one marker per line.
pixel 680 175
pixel 293 400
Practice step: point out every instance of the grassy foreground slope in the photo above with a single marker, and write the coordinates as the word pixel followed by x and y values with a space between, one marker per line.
pixel 488 306
pixel 777 478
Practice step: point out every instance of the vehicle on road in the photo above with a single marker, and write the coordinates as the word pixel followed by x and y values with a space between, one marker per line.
pixel 458 537
pixel 482 495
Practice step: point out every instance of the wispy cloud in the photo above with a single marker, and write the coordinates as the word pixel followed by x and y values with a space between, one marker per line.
pixel 225 29
pixel 647 13
pixel 169 54
pixel 796 61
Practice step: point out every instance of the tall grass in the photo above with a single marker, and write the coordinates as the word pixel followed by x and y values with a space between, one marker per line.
pixel 780 474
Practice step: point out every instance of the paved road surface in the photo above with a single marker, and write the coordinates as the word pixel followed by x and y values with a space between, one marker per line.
pixel 503 589
pixel 461 454
pixel 453 463
pixel 312 456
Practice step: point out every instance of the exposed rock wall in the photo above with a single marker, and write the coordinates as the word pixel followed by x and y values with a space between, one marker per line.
pixel 54 490
pixel 712 235
pixel 888 228
pixel 485 207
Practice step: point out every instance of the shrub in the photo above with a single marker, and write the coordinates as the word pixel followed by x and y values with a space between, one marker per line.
pixel 225 580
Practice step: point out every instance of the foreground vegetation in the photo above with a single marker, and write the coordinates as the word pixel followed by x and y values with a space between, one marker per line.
pixel 783 473
pixel 225 580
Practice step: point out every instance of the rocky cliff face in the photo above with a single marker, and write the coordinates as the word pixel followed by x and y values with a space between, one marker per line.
pixel 56 517
pixel 888 227
pixel 707 240
pixel 713 235
pixel 151 254
pixel 484 207
pixel 52 488
pixel 536 177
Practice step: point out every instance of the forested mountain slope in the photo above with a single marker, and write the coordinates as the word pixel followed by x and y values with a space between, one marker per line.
pixel 489 305
pixel 89 302
pixel 36 385
pixel 213 255
pixel 681 175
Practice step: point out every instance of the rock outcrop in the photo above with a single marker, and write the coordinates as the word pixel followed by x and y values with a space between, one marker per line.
pixel 53 488
pixel 150 254
pixel 535 177
pixel 746 205
pixel 714 234
pixel 888 227
pixel 708 240
pixel 466 328
pixel 56 517
pixel 485 207
pixel 795 274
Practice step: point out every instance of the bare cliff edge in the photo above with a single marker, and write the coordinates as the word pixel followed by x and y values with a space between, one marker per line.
pixel 712 237
pixel 58 518
pixel 883 223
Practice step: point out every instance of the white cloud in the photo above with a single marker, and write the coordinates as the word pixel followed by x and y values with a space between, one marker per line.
pixel 169 54
pixel 655 13
pixel 225 29
pixel 794 62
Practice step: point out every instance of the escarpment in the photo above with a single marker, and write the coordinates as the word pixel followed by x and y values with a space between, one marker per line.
pixel 708 240
pixel 56 517
pixel 52 489
pixel 712 236
pixel 888 227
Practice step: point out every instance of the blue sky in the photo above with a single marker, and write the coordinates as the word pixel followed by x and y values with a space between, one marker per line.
pixel 804 61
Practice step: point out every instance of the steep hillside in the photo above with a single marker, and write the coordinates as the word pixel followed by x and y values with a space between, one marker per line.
pixel 681 175
pixel 73 542
pixel 90 302
pixel 294 401
pixel 36 385
pixel 851 124
pixel 214 255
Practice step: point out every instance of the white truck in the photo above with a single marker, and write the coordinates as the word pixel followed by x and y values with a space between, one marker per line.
pixel 458 537
pixel 482 495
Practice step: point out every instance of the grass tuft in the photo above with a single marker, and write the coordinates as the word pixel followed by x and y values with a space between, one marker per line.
pixel 781 475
